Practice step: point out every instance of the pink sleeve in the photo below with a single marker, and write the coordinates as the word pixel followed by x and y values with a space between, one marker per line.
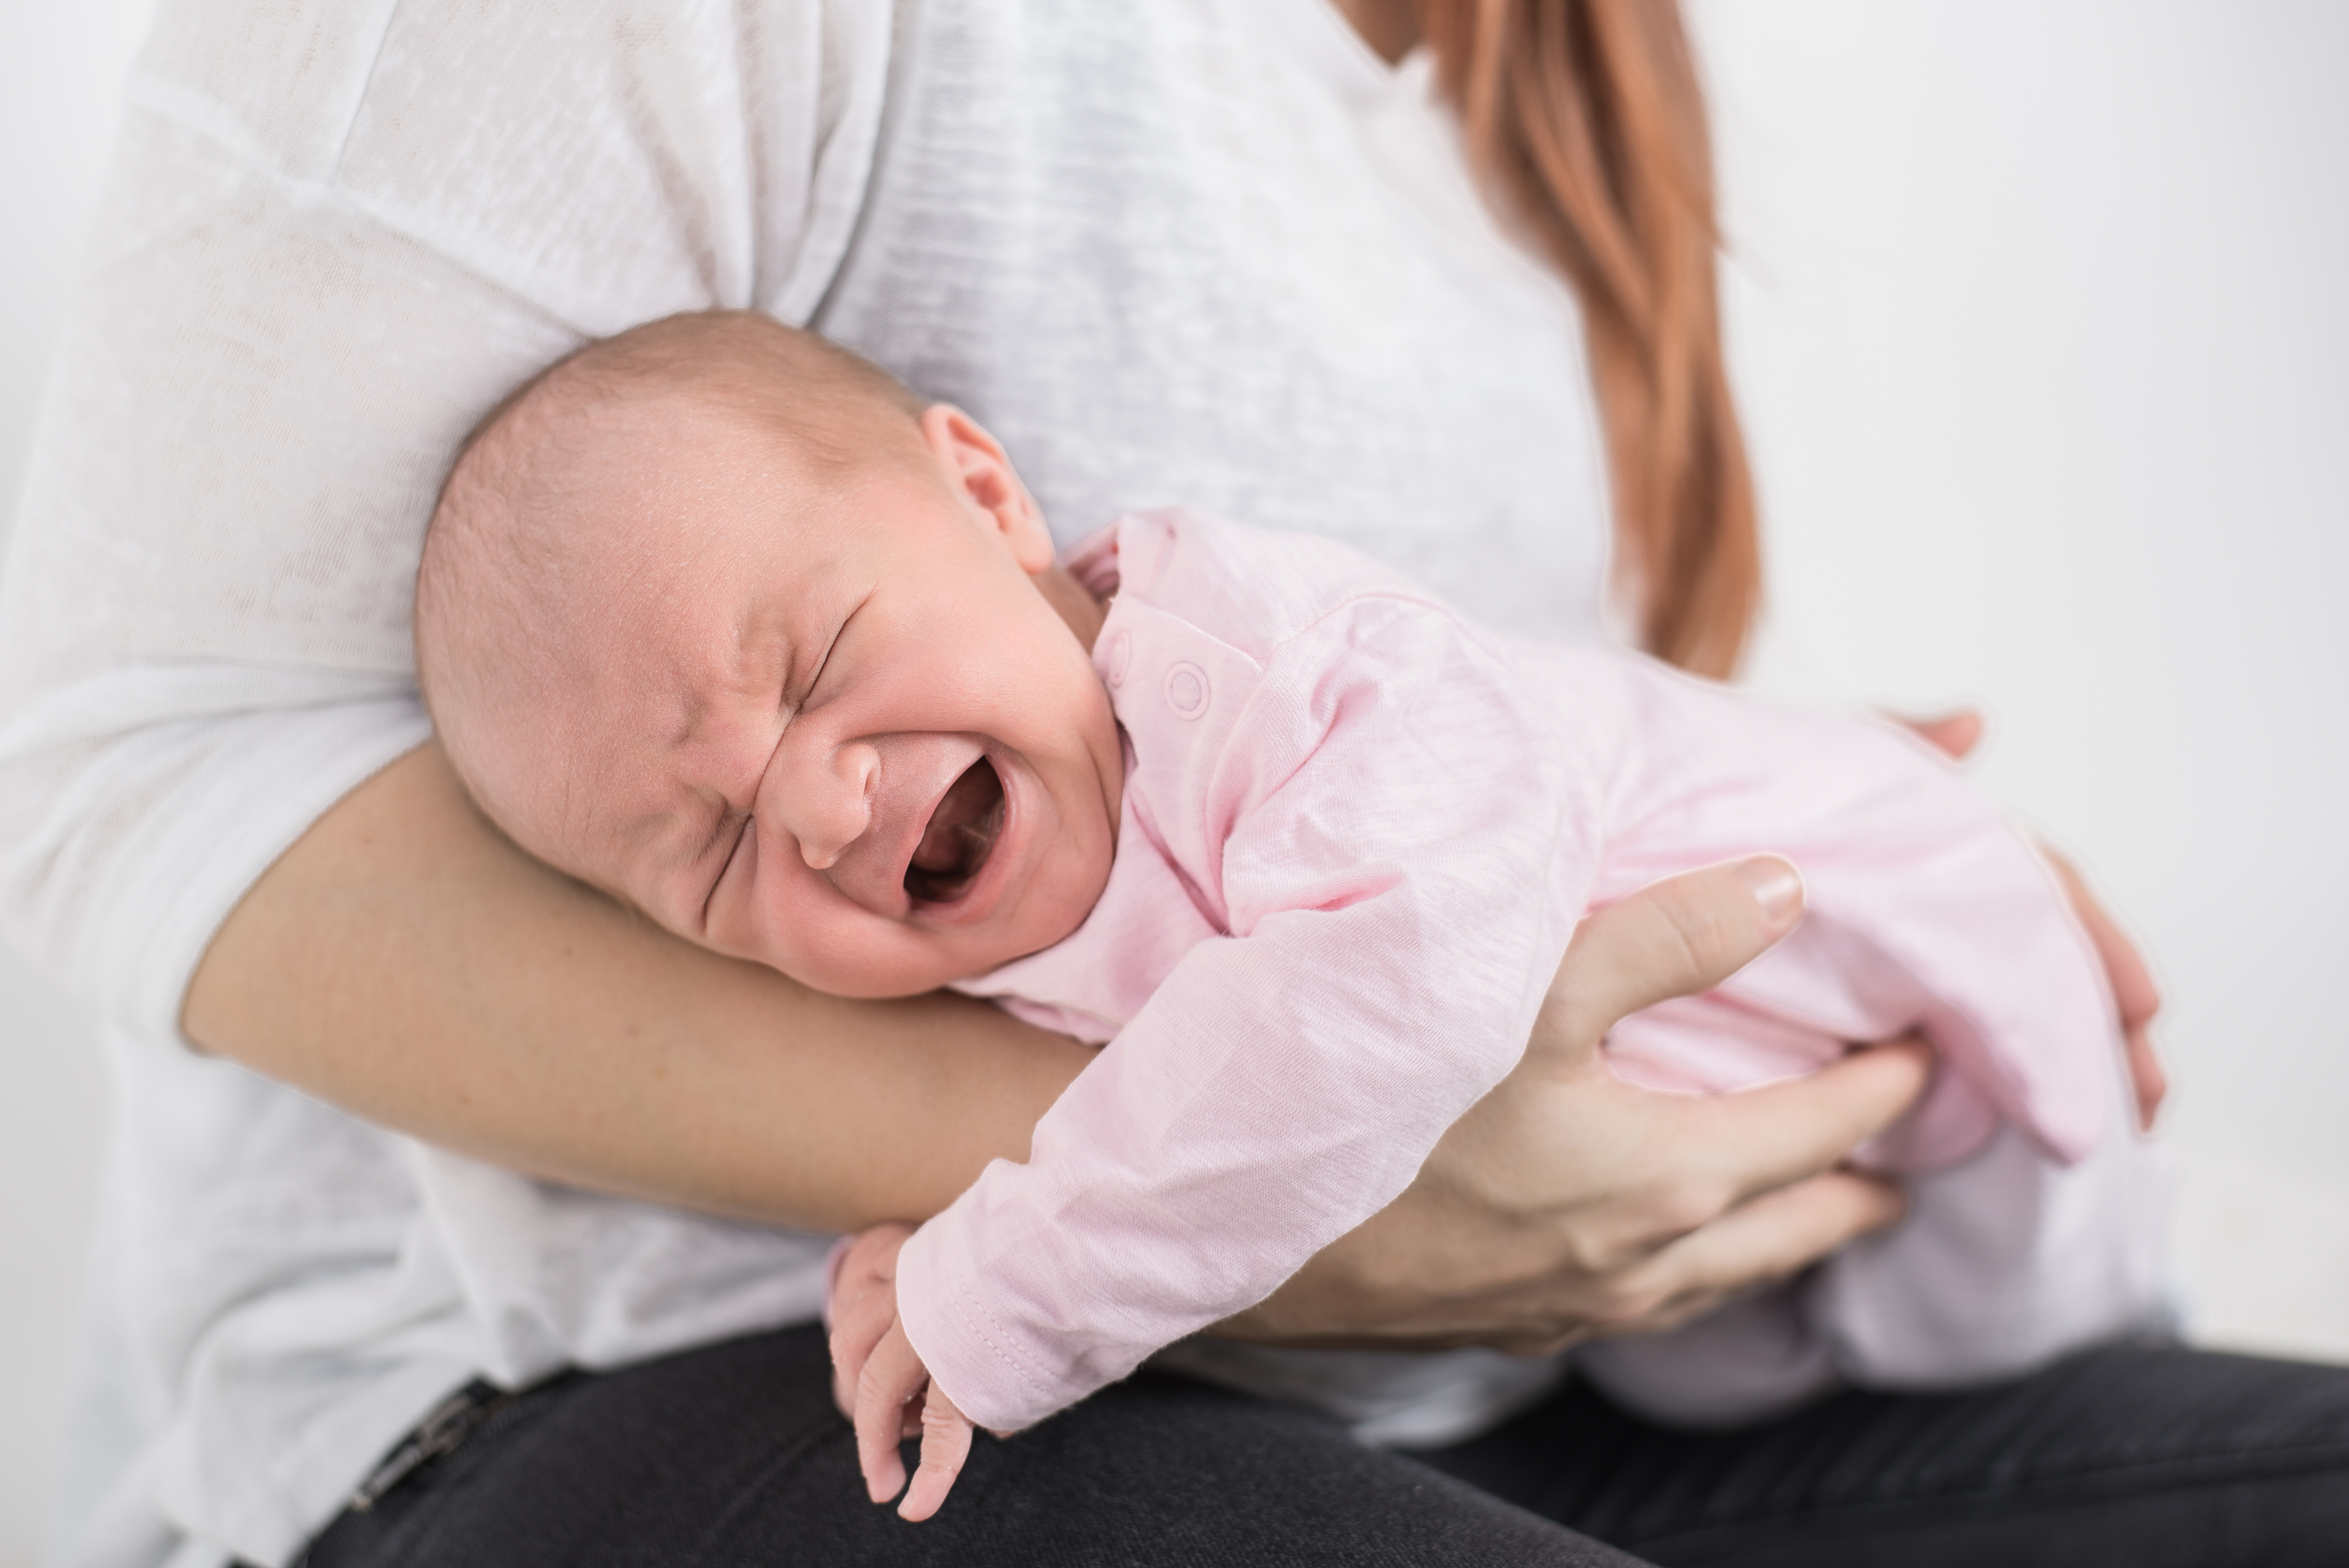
pixel 1392 922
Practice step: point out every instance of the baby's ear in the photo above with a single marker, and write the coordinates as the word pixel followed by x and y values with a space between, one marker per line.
pixel 982 474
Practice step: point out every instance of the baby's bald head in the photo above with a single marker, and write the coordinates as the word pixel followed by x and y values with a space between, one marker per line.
pixel 547 545
pixel 718 617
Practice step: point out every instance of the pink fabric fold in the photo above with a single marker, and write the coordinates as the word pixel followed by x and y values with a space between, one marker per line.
pixel 1357 834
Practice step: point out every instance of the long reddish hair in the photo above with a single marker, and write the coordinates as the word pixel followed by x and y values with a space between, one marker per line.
pixel 1584 119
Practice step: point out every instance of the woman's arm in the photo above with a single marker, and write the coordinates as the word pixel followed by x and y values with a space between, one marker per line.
pixel 405 963
pixel 2135 996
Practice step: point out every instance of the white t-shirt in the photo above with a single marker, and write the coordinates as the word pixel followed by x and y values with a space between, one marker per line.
pixel 1200 252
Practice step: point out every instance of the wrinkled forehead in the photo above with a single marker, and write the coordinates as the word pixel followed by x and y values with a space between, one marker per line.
pixel 578 761
pixel 661 702
pixel 716 561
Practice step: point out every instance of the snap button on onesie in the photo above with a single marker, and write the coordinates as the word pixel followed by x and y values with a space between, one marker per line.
pixel 1186 690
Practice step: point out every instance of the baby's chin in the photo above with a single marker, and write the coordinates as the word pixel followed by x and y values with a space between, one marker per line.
pixel 863 979
pixel 906 958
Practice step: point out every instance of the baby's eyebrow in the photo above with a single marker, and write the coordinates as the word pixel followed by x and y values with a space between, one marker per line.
pixel 694 711
pixel 647 832
pixel 721 815
pixel 721 665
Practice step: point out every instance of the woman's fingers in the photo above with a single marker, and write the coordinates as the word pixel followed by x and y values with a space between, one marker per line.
pixel 1753 1245
pixel 1677 937
pixel 2146 1075
pixel 1954 734
pixel 1688 1160
pixel 892 1375
pixel 945 1444
pixel 1766 1139
pixel 2134 993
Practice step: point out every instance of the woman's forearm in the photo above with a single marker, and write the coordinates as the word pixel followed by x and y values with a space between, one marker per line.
pixel 405 963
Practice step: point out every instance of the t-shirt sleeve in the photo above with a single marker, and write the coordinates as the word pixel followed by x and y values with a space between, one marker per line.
pixel 334 235
pixel 1390 809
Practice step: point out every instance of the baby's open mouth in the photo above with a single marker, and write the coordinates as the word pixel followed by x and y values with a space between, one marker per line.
pixel 955 846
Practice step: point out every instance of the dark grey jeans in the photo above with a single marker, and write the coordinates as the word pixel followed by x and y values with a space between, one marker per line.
pixel 733 1456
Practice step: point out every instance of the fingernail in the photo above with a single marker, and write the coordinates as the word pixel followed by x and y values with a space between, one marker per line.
pixel 1776 885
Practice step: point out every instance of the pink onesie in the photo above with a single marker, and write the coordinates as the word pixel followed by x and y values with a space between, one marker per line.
pixel 1357 833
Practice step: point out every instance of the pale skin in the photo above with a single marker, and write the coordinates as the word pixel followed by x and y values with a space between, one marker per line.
pixel 850 731
pixel 405 961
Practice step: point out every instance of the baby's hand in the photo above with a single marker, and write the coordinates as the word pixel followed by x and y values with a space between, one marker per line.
pixel 881 1385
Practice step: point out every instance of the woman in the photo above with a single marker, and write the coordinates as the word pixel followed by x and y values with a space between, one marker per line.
pixel 1225 254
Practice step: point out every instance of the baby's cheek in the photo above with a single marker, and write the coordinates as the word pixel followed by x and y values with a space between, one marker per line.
pixel 1072 883
pixel 825 941
pixel 735 924
pixel 774 912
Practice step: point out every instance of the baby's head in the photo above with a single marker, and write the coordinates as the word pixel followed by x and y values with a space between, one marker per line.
pixel 717 616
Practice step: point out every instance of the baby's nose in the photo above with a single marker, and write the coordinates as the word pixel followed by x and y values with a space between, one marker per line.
pixel 828 805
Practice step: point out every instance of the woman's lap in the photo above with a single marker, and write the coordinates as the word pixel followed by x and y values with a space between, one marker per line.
pixel 2143 1456
pixel 733 1455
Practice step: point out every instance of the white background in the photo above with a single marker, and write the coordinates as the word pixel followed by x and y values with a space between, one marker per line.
pixel 2039 310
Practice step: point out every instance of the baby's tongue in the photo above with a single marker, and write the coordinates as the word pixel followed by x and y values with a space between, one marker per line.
pixel 965 816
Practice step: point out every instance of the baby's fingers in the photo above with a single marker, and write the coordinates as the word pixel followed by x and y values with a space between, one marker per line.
pixel 861 1303
pixel 945 1444
pixel 892 1375
pixel 854 1335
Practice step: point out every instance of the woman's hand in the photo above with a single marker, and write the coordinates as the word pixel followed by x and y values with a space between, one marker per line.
pixel 1568 1204
pixel 1955 735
